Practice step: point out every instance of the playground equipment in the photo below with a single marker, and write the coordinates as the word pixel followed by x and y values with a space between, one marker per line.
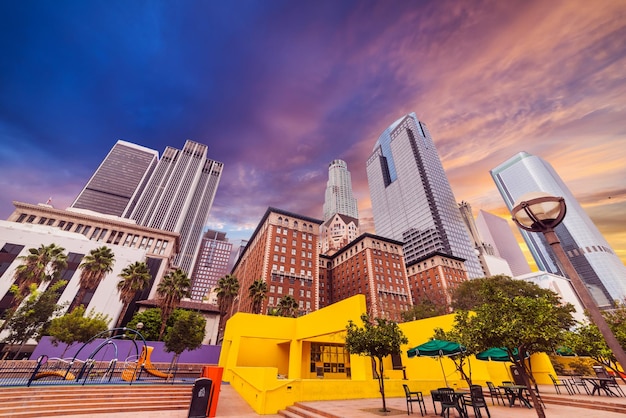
pixel 133 369
pixel 62 368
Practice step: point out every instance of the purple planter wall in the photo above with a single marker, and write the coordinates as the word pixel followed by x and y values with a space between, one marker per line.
pixel 206 354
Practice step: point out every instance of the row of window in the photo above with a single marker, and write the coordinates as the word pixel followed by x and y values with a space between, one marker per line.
pixel 100 234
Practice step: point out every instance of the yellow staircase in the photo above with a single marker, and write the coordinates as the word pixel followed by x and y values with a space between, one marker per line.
pixel 49 401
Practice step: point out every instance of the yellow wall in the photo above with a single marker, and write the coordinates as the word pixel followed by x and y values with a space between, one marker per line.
pixel 267 359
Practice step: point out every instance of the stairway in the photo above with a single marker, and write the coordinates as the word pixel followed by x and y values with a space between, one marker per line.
pixel 49 401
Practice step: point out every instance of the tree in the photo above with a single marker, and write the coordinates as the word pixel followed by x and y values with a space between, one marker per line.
pixel 186 332
pixel 151 320
pixel 377 339
pixel 257 292
pixel 227 289
pixel 521 324
pixel 32 317
pixel 423 309
pixel 95 266
pixel 75 327
pixel 587 340
pixel 288 306
pixel 171 290
pixel 135 278
pixel 40 265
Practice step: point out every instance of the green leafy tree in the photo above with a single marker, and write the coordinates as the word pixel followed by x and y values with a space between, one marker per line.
pixel 135 278
pixel 257 292
pixel 151 320
pixel 171 290
pixel 376 339
pixel 461 359
pixel 522 324
pixel 95 266
pixel 226 290
pixel 186 332
pixel 288 306
pixel 40 265
pixel 76 327
pixel 32 317
pixel 423 309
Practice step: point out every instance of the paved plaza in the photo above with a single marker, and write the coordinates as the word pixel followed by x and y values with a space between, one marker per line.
pixel 231 405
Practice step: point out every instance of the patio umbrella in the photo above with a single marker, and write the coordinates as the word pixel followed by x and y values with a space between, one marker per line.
pixel 437 348
pixel 497 354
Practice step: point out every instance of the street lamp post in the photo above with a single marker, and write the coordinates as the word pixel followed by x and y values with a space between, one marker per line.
pixel 540 212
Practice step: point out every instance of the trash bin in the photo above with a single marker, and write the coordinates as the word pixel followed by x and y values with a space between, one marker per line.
pixel 215 374
pixel 200 398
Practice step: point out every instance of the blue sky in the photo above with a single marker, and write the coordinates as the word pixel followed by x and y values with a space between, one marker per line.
pixel 278 89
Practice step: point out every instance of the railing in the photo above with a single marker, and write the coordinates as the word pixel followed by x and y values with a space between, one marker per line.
pixel 55 371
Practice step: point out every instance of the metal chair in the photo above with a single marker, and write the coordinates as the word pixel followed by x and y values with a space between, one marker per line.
pixel 576 382
pixel 476 400
pixel 496 393
pixel 414 397
pixel 560 383
pixel 448 401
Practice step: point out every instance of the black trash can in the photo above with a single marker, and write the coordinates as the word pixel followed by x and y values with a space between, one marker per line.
pixel 200 398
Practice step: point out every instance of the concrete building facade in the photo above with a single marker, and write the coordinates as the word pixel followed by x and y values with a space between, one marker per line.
pixel 211 263
pixel 179 196
pixel 117 183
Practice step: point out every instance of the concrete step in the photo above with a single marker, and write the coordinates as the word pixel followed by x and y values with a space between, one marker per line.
pixel 80 400
pixel 299 410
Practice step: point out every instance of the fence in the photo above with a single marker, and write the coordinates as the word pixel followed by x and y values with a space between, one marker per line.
pixel 56 371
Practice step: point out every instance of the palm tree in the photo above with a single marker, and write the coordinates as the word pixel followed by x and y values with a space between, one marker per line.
pixel 95 266
pixel 257 292
pixel 227 289
pixel 135 278
pixel 174 287
pixel 40 265
pixel 288 306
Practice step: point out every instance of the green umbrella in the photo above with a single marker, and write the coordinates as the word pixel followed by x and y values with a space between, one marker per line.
pixel 497 354
pixel 437 348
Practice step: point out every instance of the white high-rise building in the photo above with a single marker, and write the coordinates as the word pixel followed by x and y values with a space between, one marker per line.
pixel 591 255
pixel 179 197
pixel 339 197
pixel 496 232
pixel 412 200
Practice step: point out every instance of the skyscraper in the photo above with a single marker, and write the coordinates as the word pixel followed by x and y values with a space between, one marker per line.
pixel 211 263
pixel 339 198
pixel 117 183
pixel 593 258
pixel 496 232
pixel 179 196
pixel 412 201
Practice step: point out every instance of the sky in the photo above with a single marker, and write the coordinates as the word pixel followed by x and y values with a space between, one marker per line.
pixel 278 89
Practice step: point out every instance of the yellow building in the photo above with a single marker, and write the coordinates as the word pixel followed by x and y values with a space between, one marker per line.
pixel 274 362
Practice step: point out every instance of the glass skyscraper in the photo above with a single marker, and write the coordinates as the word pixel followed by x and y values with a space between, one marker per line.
pixel 339 198
pixel 412 200
pixel 119 180
pixel 593 258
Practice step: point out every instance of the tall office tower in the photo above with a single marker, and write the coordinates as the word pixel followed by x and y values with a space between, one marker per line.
pixel 211 263
pixel 496 232
pixel 593 258
pixel 339 197
pixel 491 263
pixel 119 180
pixel 179 196
pixel 411 197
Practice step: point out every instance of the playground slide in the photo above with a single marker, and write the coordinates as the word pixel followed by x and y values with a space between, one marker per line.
pixel 144 359
pixel 60 373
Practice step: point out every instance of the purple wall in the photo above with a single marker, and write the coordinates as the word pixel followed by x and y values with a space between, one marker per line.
pixel 206 354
